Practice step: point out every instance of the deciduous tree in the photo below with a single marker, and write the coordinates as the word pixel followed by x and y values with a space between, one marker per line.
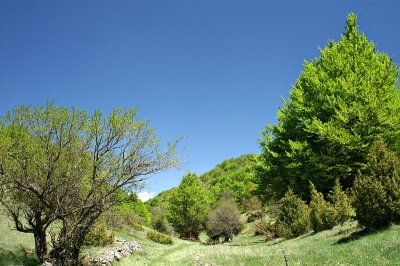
pixel 342 102
pixel 187 207
pixel 68 166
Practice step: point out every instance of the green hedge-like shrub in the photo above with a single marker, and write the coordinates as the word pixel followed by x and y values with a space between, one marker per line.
pixel 341 203
pixel 160 238
pixel 99 236
pixel 323 214
pixel 294 217
pixel 377 193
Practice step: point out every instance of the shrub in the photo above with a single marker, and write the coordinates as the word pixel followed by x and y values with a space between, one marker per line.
pixel 99 236
pixel 160 223
pixel 160 238
pixel 377 193
pixel 323 214
pixel 224 221
pixel 266 229
pixel 341 203
pixel 370 200
pixel 294 217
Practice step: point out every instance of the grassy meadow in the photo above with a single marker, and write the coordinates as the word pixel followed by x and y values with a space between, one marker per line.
pixel 340 246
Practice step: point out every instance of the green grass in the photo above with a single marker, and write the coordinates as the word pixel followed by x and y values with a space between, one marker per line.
pixel 16 248
pixel 340 246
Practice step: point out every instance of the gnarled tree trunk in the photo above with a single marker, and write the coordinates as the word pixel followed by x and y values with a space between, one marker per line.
pixel 40 243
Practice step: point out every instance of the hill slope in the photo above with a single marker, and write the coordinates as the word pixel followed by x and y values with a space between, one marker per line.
pixel 234 174
pixel 339 246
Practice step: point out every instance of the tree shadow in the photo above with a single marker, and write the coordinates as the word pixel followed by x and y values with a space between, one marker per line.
pixel 18 257
pixel 357 235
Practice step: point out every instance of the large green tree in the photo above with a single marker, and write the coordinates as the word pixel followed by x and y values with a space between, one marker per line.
pixel 187 207
pixel 342 102
pixel 65 165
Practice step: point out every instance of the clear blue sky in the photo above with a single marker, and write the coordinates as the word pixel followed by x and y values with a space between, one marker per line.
pixel 213 71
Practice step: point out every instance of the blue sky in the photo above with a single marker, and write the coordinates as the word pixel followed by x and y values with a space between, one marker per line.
pixel 213 71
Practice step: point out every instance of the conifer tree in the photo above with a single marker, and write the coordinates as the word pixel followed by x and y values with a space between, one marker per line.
pixel 323 214
pixel 342 102
pixel 377 193
pixel 341 203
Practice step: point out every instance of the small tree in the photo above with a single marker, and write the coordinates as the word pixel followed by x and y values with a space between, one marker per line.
pixel 224 221
pixel 323 214
pixel 341 203
pixel 377 193
pixel 67 165
pixel 187 207
pixel 294 217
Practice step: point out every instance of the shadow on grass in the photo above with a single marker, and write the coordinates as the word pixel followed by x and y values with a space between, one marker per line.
pixel 357 235
pixel 18 257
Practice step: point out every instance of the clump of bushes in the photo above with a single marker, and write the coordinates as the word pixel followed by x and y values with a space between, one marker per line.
pixel 160 238
pixel 99 236
pixel 294 217
pixel 322 214
pixel 377 193
pixel 325 215
pixel 342 204
pixel 224 221
pixel 160 223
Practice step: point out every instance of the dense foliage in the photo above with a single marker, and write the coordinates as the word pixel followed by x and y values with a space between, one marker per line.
pixel 377 192
pixel 235 175
pixel 68 166
pixel 342 204
pixel 99 235
pixel 323 214
pixel 294 217
pixel 131 213
pixel 188 206
pixel 342 102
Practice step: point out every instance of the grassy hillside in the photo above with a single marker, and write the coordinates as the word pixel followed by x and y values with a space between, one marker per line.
pixel 340 246
pixel 15 248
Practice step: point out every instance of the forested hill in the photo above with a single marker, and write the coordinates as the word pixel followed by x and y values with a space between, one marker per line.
pixel 235 175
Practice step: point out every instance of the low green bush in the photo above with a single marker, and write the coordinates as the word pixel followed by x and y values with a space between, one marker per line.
pixel 99 236
pixel 377 192
pixel 341 203
pixel 323 214
pixel 160 238
pixel 294 217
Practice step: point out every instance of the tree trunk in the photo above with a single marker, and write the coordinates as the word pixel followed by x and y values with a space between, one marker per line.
pixel 66 256
pixel 67 248
pixel 40 245
pixel 39 233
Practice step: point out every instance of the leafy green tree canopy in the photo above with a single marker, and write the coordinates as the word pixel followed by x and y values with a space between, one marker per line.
pixel 187 207
pixel 342 102
pixel 65 165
